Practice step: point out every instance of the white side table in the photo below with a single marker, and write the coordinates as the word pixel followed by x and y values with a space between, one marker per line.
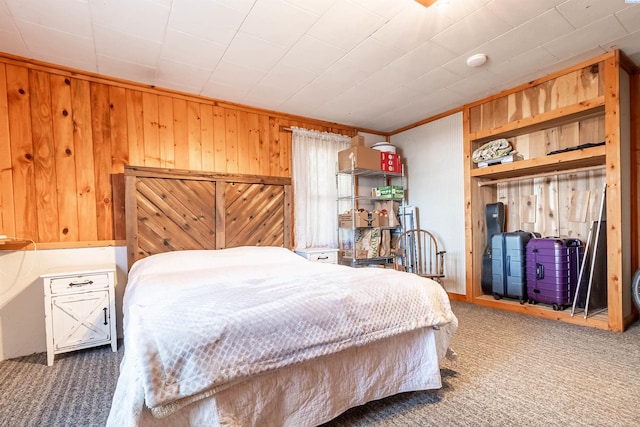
pixel 326 255
pixel 79 308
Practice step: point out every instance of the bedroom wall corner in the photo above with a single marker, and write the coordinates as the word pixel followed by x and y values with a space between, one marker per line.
pixel 22 319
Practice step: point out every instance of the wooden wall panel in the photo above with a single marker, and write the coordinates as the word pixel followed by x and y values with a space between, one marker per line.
pixel 135 126
pixel 66 137
pixel 44 156
pixel 85 171
pixel 64 159
pixel 7 223
pixel 102 159
pixel 565 90
pixel 24 186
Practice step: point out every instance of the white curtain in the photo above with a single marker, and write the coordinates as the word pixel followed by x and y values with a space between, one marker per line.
pixel 315 160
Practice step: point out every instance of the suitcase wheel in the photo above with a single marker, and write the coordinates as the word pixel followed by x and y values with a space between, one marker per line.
pixel 496 296
pixel 557 307
pixel 532 301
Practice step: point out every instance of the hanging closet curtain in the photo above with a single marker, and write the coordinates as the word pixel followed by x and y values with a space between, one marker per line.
pixel 315 159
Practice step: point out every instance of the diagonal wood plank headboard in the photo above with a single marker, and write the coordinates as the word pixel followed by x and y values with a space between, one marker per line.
pixel 169 209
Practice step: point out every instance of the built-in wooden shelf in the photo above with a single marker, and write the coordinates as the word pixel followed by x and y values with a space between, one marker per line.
pixel 576 159
pixel 545 120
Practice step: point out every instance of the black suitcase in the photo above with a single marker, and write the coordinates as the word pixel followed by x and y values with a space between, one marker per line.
pixel 495 218
pixel 508 264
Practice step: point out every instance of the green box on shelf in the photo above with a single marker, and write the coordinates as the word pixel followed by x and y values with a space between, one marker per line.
pixel 388 192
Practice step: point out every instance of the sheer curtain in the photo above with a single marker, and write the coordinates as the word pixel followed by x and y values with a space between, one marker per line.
pixel 315 160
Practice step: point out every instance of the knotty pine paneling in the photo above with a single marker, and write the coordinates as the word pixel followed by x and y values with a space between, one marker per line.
pixel 64 136
pixel 581 85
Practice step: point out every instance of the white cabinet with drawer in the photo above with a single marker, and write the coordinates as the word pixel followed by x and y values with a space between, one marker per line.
pixel 326 255
pixel 79 308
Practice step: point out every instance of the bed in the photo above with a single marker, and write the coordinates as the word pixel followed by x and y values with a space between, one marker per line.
pixel 252 334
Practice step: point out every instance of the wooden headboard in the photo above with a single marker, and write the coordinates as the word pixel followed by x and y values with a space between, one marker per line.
pixel 168 210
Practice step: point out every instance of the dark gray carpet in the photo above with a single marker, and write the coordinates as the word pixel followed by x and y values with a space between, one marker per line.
pixel 512 370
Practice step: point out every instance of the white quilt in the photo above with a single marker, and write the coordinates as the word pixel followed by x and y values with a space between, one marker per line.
pixel 198 322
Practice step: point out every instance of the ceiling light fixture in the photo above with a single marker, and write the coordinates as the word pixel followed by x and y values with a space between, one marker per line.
pixel 476 60
pixel 427 3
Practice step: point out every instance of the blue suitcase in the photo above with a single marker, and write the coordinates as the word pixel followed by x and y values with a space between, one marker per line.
pixel 508 260
pixel 553 267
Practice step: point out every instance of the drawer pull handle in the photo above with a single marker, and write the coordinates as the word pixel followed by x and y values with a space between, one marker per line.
pixel 86 282
pixel 323 257
pixel 105 316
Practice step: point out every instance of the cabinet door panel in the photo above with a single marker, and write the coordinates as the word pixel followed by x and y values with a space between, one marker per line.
pixel 81 319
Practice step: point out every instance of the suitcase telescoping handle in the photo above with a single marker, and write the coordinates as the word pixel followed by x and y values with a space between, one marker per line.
pixel 539 271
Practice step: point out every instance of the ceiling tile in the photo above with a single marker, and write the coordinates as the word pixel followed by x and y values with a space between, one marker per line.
pixel 517 12
pixel 139 51
pixel 385 8
pixel 242 6
pixel 630 18
pixel 584 12
pixel 314 6
pixel 53 43
pixel 278 22
pixel 11 42
pixel 412 27
pixel 233 75
pixel 71 16
pixel 208 20
pixel 269 97
pixel 419 61
pixel 312 54
pixel 471 31
pixel 518 65
pixel 348 68
pixel 187 49
pixel 182 73
pixel 179 86
pixel 608 28
pixel 386 79
pixel 125 70
pixel 373 54
pixel 548 26
pixel 433 80
pixel 339 27
pixel 285 77
pixel 457 9
pixel 142 18
pixel 253 52
pixel 216 90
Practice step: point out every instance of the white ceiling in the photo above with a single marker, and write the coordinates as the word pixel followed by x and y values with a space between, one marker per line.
pixel 373 64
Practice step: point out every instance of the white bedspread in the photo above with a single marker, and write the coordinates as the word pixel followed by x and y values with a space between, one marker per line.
pixel 198 322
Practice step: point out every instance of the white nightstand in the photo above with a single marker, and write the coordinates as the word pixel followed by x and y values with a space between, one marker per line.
pixel 326 255
pixel 79 308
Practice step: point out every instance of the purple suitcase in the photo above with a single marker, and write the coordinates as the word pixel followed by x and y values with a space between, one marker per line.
pixel 553 266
